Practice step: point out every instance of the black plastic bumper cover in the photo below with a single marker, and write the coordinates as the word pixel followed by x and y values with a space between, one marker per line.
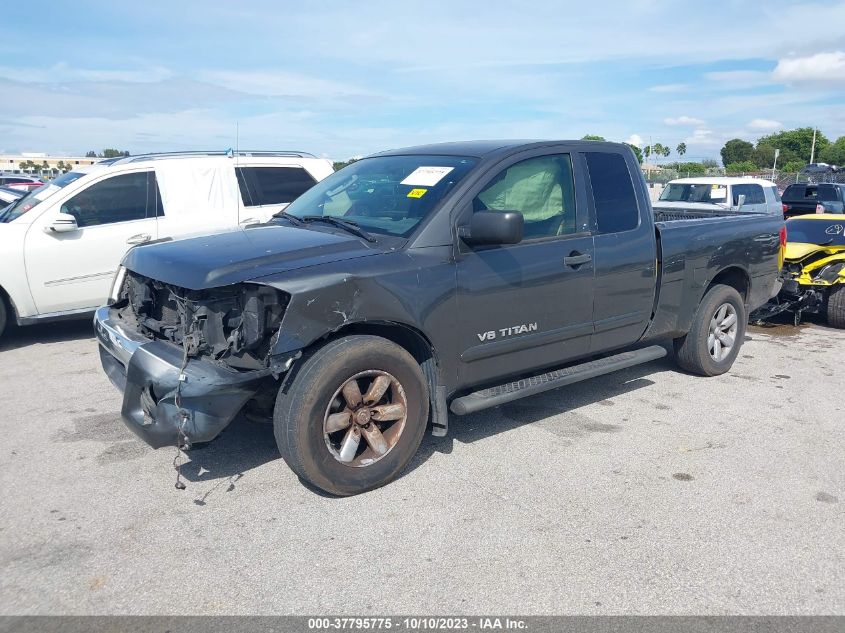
pixel 211 395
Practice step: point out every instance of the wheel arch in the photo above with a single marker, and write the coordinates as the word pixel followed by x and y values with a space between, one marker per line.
pixel 734 276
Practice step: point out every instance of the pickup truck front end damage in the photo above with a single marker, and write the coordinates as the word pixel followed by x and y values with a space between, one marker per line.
pixel 188 361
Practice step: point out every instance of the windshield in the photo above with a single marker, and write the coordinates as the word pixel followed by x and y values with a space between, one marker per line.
pixel 816 231
pixel 694 192
pixel 389 195
pixel 17 209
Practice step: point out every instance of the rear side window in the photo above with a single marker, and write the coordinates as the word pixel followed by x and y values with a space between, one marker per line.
pixel 117 199
pixel 272 185
pixel 827 193
pixel 794 192
pixel 753 194
pixel 613 192
pixel 775 193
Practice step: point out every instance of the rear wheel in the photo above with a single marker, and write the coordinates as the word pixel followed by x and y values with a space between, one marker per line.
pixel 717 332
pixel 353 416
pixel 836 307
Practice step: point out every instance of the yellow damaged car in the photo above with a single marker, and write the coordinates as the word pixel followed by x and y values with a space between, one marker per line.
pixel 813 272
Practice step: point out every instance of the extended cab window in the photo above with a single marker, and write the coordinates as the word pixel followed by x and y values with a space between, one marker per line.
pixel 613 193
pixel 117 199
pixel 541 189
pixel 753 194
pixel 272 185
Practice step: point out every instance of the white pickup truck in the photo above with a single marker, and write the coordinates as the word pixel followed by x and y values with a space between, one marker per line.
pixel 61 244
pixel 742 195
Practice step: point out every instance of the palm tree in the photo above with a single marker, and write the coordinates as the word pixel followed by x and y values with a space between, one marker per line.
pixel 681 149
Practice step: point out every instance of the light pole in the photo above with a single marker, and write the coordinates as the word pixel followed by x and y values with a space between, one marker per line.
pixel 813 147
pixel 774 165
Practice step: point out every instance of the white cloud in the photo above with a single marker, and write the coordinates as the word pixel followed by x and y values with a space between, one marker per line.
pixel 739 79
pixel 765 124
pixel 822 68
pixel 683 120
pixel 635 139
pixel 670 88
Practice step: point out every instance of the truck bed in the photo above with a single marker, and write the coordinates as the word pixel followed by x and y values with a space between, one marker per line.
pixel 693 246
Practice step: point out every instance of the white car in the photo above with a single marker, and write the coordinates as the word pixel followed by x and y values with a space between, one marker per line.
pixel 60 245
pixel 750 195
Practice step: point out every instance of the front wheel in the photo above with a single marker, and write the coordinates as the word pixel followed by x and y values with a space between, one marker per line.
pixel 353 416
pixel 836 307
pixel 3 315
pixel 718 329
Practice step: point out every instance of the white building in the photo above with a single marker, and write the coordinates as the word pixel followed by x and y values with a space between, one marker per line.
pixel 47 165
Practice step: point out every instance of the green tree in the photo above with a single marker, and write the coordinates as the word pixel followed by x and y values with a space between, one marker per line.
pixel 795 144
pixel 660 149
pixel 741 167
pixel 91 154
pixel 592 137
pixel 681 149
pixel 834 154
pixel 764 156
pixel 343 163
pixel 647 151
pixel 736 150
pixel 793 166
pixel 710 163
pixel 113 153
pixel 637 152
pixel 693 169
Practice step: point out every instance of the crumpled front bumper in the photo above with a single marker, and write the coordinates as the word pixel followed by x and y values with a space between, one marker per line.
pixel 147 372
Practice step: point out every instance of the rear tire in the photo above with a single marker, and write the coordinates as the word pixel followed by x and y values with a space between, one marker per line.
pixel 718 330
pixel 836 307
pixel 375 397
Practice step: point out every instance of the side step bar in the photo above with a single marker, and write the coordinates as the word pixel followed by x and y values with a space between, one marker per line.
pixel 508 392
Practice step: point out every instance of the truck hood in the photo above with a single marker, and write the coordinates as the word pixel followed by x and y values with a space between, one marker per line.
pixel 222 259
pixel 796 251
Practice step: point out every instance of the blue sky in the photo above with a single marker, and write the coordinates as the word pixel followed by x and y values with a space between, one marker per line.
pixel 343 79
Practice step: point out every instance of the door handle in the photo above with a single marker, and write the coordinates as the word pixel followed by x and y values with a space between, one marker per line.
pixel 139 239
pixel 575 259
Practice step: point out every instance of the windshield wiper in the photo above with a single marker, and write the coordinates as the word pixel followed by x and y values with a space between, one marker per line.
pixel 348 225
pixel 289 216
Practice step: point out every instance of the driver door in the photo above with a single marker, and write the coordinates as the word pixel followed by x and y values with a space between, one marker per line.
pixel 527 305
pixel 73 270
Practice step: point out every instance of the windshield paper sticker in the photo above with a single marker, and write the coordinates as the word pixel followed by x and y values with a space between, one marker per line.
pixel 718 192
pixel 426 176
pixel 417 193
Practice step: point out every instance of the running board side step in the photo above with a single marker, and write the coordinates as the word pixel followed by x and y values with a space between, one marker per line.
pixel 508 392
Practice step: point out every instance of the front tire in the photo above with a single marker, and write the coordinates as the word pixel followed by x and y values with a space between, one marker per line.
pixel 4 315
pixel 718 329
pixel 836 307
pixel 353 416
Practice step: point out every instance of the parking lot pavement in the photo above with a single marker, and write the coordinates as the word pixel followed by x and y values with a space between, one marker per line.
pixel 646 491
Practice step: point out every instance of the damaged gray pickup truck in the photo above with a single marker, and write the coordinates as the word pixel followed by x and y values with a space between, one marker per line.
pixel 416 282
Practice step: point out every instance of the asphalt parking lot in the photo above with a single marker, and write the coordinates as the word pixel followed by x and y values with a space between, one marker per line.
pixel 646 491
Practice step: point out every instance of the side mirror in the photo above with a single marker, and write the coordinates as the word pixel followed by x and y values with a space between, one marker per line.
pixel 740 200
pixel 63 223
pixel 494 227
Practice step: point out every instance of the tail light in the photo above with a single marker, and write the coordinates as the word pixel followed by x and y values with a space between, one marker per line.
pixel 782 251
pixel 785 207
pixel 819 208
pixel 783 236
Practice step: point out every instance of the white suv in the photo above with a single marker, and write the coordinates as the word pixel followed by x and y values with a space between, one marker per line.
pixel 61 244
